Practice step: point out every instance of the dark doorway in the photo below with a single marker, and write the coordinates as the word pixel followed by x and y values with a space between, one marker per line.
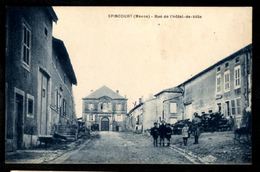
pixel 19 119
pixel 105 124
pixel 117 128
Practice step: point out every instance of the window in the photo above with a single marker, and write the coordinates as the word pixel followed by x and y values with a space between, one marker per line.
pixel 55 61
pixel 227 108
pixel 30 104
pixel 26 45
pixel 237 77
pixel 64 78
pixel 238 103
pixel 226 65
pixel 90 106
pixel 237 60
pixel 64 104
pixel 104 107
pixel 218 83
pixel 118 107
pixel 45 31
pixel 218 69
pixel 173 108
pixel 236 106
pixel 91 117
pixel 233 107
pixel 227 80
pixel 219 107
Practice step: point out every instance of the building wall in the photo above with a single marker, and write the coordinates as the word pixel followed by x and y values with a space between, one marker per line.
pixel 21 77
pixel 112 113
pixel 135 119
pixel 24 79
pixel 202 96
pixel 150 114
pixel 62 86
pixel 163 106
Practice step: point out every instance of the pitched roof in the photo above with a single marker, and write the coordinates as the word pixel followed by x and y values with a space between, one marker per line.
pixel 64 59
pixel 242 50
pixel 104 91
pixel 170 90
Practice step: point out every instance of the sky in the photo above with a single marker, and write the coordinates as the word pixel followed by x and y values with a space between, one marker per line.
pixel 142 56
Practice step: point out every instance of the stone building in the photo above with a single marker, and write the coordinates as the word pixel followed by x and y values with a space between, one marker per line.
pixel 134 119
pixel 105 110
pixel 169 104
pixel 31 78
pixel 223 87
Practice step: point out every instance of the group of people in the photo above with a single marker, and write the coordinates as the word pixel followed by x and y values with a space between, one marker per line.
pixel 165 131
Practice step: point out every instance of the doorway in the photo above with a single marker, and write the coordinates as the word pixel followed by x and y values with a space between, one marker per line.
pixel 105 124
pixel 19 119
pixel 44 79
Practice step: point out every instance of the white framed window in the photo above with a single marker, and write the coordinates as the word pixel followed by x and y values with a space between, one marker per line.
pixel 118 106
pixel 173 108
pixel 233 107
pixel 26 45
pixel 227 81
pixel 104 107
pixel 238 106
pixel 237 77
pixel 90 106
pixel 218 83
pixel 91 117
pixel 30 106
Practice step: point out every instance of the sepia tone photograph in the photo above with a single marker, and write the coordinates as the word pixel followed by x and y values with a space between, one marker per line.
pixel 128 85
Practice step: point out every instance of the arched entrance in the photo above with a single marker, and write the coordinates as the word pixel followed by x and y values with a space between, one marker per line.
pixel 105 124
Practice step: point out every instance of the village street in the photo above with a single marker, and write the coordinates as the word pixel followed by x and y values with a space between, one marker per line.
pixel 121 148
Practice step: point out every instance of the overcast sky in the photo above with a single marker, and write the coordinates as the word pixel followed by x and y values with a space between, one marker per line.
pixel 140 57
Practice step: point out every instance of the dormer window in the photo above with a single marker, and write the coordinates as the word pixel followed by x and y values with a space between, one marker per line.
pixel 226 65
pixel 237 60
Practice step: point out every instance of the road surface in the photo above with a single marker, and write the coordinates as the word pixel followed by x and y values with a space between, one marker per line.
pixel 121 148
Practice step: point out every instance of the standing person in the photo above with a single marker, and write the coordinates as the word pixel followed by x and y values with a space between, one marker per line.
pixel 155 134
pixel 168 134
pixel 196 130
pixel 185 134
pixel 162 130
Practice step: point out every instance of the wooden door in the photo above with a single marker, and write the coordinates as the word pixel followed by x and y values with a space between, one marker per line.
pixel 19 119
pixel 44 104
pixel 105 124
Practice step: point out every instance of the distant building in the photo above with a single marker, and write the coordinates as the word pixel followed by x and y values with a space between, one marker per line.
pixel 38 77
pixel 134 120
pixel 105 110
pixel 169 104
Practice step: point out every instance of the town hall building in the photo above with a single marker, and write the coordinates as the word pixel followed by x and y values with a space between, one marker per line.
pixel 104 110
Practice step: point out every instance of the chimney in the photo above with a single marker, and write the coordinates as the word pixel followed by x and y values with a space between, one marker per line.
pixel 117 91
pixel 140 100
pixel 91 91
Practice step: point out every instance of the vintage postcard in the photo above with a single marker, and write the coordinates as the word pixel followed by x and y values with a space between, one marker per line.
pixel 128 85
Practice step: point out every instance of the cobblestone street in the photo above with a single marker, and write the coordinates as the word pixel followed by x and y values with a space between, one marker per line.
pixel 121 148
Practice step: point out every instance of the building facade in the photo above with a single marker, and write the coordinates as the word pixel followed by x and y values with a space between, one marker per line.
pixel 223 87
pixel 105 110
pixel 30 76
pixel 134 119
